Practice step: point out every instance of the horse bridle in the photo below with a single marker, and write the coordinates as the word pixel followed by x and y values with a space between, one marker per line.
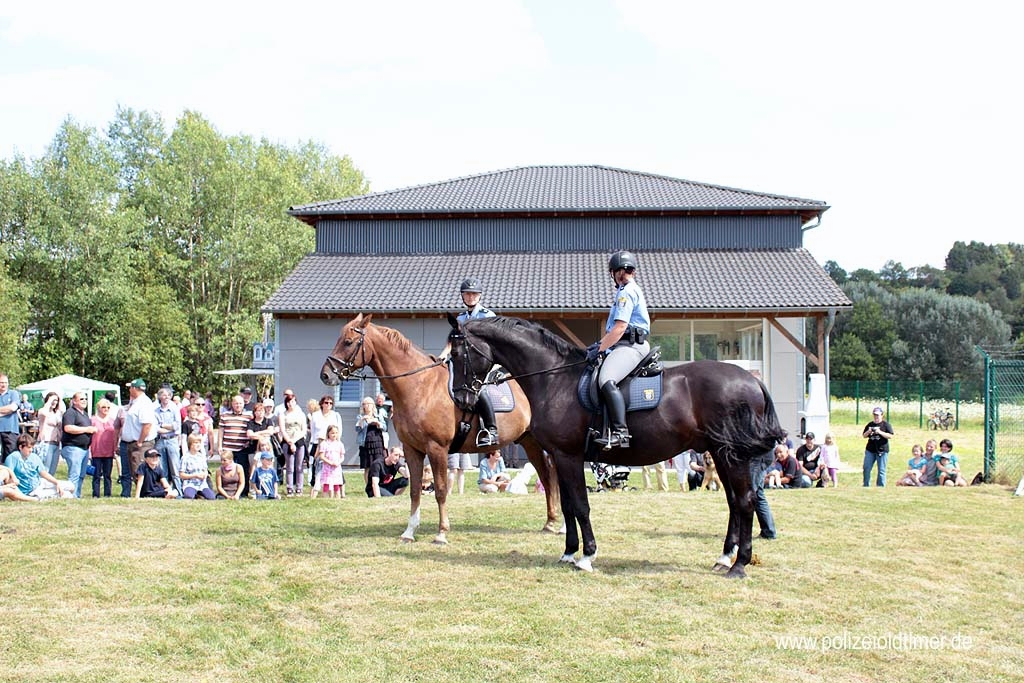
pixel 477 384
pixel 343 368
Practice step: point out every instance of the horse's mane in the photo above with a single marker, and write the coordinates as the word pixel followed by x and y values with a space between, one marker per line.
pixel 542 334
pixel 395 337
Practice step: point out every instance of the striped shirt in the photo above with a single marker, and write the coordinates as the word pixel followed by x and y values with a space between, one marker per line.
pixel 233 436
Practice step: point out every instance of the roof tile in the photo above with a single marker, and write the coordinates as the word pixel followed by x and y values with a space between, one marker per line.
pixel 558 188
pixel 678 281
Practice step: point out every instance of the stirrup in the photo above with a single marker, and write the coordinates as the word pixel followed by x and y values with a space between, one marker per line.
pixel 616 439
pixel 486 437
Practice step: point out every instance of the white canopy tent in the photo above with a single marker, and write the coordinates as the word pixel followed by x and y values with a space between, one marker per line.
pixel 66 385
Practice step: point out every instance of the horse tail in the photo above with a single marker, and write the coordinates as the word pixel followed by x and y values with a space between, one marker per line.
pixel 746 433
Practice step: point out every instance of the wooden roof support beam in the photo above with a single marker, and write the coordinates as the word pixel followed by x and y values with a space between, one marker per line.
pixel 800 347
pixel 568 333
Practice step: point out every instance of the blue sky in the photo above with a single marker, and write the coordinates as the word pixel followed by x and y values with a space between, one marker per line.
pixel 905 117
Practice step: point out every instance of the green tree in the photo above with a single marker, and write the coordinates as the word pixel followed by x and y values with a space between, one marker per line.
pixel 146 254
pixel 835 272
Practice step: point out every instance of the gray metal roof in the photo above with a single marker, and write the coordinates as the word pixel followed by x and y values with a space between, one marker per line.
pixel 741 281
pixel 560 189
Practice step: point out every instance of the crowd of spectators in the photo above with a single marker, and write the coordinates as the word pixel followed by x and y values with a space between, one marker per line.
pixel 165 448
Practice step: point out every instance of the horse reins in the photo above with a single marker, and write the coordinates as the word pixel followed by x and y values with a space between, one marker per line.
pixel 345 372
pixel 505 378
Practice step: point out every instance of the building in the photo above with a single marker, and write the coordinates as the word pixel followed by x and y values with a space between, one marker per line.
pixel 724 270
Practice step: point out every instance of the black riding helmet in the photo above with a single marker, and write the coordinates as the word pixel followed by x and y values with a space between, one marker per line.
pixel 621 259
pixel 470 284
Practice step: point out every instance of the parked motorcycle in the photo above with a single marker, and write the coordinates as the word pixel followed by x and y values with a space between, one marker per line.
pixel 941 419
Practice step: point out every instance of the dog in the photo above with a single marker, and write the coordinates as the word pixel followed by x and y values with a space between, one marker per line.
pixel 710 474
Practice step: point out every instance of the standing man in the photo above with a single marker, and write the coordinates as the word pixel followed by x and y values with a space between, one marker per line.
pixel 249 404
pixel 877 432
pixel 10 404
pixel 234 436
pixel 138 432
pixel 78 431
pixel 168 436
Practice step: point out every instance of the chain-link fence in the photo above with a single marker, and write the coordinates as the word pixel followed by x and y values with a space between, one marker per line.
pixel 938 403
pixel 1004 416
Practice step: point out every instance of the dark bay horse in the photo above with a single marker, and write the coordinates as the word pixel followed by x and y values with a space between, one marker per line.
pixel 425 416
pixel 705 405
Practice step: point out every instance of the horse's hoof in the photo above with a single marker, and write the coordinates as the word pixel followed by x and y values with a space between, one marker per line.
pixel 407 539
pixel 719 567
pixel 585 564
pixel 440 539
pixel 550 528
pixel 567 559
pixel 737 572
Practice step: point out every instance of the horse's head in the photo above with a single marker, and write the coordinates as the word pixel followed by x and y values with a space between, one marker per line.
pixel 471 360
pixel 350 352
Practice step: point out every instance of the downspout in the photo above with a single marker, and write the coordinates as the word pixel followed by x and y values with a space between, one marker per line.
pixel 809 227
pixel 829 324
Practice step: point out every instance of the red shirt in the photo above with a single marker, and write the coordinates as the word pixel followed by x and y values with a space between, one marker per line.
pixel 104 441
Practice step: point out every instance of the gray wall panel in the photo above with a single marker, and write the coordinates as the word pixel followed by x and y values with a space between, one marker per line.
pixel 460 235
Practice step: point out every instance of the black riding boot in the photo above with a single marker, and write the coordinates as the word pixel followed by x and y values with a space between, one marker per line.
pixel 488 433
pixel 616 407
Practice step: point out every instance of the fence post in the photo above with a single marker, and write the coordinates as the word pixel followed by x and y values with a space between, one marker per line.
pixel 888 398
pixel 920 404
pixel 956 425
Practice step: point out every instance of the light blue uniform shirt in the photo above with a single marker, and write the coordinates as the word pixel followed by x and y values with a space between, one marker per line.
pixel 9 422
pixel 477 313
pixel 630 307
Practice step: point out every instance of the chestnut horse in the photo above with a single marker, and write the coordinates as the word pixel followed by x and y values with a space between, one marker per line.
pixel 426 417
pixel 705 405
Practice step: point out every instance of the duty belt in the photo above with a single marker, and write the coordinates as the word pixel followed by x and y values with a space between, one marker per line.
pixel 634 335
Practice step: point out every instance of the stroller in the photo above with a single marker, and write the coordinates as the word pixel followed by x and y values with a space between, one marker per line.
pixel 610 477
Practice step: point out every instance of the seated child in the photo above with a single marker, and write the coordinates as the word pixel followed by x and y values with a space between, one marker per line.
pixel 150 481
pixel 917 466
pixel 193 471
pixel 948 467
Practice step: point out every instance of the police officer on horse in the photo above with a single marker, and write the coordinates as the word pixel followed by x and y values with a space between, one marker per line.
pixel 625 340
pixel 472 292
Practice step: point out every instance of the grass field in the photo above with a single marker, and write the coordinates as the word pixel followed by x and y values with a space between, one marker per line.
pixel 882 584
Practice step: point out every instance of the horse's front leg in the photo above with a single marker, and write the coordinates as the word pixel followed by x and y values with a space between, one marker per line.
pixel 572 539
pixel 439 464
pixel 414 460
pixel 576 509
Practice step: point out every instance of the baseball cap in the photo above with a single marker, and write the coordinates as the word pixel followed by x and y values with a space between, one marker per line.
pixel 809 435
pixel 877 411
pixel 152 452
pixel 266 456
pixel 246 390
pixel 137 383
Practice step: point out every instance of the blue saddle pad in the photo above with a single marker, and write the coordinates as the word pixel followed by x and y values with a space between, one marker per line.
pixel 640 393
pixel 500 394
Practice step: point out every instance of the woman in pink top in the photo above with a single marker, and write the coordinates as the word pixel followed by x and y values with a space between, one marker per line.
pixel 50 416
pixel 103 447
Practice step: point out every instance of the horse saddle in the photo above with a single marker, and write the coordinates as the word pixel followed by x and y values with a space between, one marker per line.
pixel 500 394
pixel 641 388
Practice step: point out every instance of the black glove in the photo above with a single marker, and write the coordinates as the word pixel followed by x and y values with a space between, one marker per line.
pixel 593 351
